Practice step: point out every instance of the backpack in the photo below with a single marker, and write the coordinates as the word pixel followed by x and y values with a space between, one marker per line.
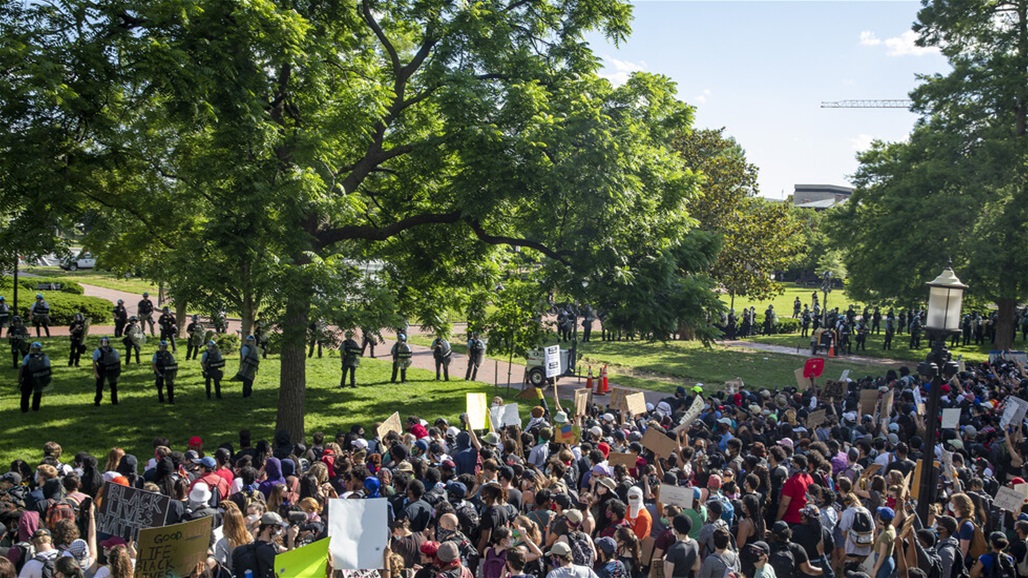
pixel 727 509
pixel 1002 567
pixel 1022 564
pixel 245 558
pixel 782 560
pixel 978 546
pixel 862 530
pixel 581 553
pixel 468 518
pixel 494 564
pixel 958 570
pixel 934 569
pixel 63 510
pixel 25 553
pixel 49 565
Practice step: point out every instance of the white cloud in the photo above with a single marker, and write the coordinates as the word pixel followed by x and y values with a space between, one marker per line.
pixel 618 71
pixel 702 98
pixel 861 142
pixel 868 38
pixel 903 45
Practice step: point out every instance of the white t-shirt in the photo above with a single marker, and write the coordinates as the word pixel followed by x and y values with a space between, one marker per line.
pixel 572 571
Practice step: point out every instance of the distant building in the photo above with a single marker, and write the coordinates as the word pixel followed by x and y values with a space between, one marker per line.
pixel 820 197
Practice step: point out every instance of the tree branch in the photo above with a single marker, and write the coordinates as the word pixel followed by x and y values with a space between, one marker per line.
pixel 559 256
pixel 370 19
pixel 134 213
pixel 371 233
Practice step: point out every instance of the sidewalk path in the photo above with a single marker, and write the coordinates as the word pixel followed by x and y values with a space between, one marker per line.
pixel 805 352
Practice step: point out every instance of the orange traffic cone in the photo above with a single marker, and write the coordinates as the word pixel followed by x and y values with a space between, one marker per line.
pixel 603 379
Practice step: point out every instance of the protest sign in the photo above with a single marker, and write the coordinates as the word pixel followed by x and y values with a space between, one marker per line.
pixel 675 496
pixel 734 385
pixel 309 561
pixel 622 459
pixel 659 443
pixel 1008 499
pixel 502 416
pixel 477 410
pixel 950 417
pixel 802 382
pixel 617 399
pixel 816 418
pixel 884 409
pixel 1014 410
pixel 868 401
pixel 636 403
pixel 1022 489
pixel 173 550
pixel 125 511
pixel 358 532
pixel 647 546
pixel 834 389
pixel 582 401
pixel 845 375
pixel 391 424
pixel 552 358
pixel 690 415
pixel 915 489
pixel 566 433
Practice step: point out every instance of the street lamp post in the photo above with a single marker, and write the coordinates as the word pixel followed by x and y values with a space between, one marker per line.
pixel 945 297
pixel 826 288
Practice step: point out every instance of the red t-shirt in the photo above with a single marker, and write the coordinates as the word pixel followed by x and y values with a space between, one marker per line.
pixel 796 488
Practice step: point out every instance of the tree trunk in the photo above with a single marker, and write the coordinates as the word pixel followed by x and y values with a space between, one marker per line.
pixel 180 315
pixel 248 313
pixel 292 389
pixel 1005 323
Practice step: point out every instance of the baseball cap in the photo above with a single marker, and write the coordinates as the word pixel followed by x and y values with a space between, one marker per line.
pixel 457 489
pixel 195 441
pixel 574 516
pixel 447 552
pixel 273 518
pixel 559 549
pixel 886 514
pixel 11 478
pixel 607 544
pixel 762 546
pixel 112 542
pixel 41 533
pixel 207 462
pixel 780 527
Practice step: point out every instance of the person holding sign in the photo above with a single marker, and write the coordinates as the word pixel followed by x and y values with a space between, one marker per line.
pixel 258 557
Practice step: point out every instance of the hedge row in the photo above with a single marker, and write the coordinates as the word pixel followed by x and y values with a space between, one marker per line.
pixel 32 284
pixel 784 324
pixel 64 306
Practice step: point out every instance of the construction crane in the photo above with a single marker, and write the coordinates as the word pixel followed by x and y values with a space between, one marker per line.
pixel 898 103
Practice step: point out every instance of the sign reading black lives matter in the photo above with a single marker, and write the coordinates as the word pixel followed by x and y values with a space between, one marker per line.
pixel 125 511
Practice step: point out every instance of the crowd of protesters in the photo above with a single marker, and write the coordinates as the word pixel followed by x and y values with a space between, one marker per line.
pixel 772 494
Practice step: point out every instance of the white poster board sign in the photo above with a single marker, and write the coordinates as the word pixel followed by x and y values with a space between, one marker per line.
pixel 950 418
pixel 1014 410
pixel 358 533
pixel 552 360
pixel 1008 499
pixel 504 415
pixel 675 496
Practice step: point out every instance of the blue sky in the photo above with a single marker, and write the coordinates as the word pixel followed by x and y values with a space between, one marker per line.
pixel 761 70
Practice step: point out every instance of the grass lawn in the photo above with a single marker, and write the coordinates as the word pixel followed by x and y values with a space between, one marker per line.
pixel 67 414
pixel 899 351
pixel 783 302
pixel 98 279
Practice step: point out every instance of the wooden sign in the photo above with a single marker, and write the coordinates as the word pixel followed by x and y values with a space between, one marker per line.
pixel 636 403
pixel 582 401
pixel 815 418
pixel 391 424
pixel 868 401
pixel 801 381
pixel 617 399
pixel 658 443
pixel 622 459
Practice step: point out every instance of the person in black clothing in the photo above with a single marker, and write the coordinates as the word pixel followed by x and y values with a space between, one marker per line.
pixel 40 314
pixel 77 331
pixel 815 539
pixel 902 463
pixel 144 309
pixel 259 557
pixel 418 511
pixel 120 318
pixel 169 327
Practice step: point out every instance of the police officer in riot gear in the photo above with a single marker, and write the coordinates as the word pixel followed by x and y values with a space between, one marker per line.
pixel 106 367
pixel 401 353
pixel 213 366
pixel 134 339
pixel 77 331
pixel 34 376
pixel 40 314
pixel 195 332
pixel 476 355
pixel 351 354
pixel 18 335
pixel 169 327
pixel 442 353
pixel 249 362
pixel 260 333
pixel 120 318
pixel 5 313
pixel 145 312
pixel 165 369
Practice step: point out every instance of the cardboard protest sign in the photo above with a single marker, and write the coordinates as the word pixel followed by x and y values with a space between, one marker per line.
pixel 1014 410
pixel 636 403
pixel 690 415
pixel 173 550
pixel 870 470
pixel 566 433
pixel 125 511
pixel 1022 489
pixel 582 401
pixel 391 424
pixel 647 546
pixel 884 409
pixel 675 496
pixel 921 409
pixel 622 459
pixel 734 385
pixel 816 418
pixel 834 389
pixel 915 490
pixel 477 409
pixel 660 444
pixel 358 533
pixel 802 382
pixel 617 399
pixel 1008 499
pixel 868 401
pixel 502 416
pixel 844 376
pixel 309 561
pixel 950 418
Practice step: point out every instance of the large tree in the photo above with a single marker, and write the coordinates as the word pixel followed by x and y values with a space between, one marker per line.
pixel 382 128
pixel 958 188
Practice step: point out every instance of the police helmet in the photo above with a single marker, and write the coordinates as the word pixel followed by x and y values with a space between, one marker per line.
pixel 211 344
pixel 250 338
pixel 1 297
pixel 16 318
pixel 133 318
pixel 401 337
pixel 39 295
pixel 104 342
pixel 121 301
pixel 145 294
pixel 166 310
pixel 163 345
pixel 36 346
pixel 79 317
pixel 196 317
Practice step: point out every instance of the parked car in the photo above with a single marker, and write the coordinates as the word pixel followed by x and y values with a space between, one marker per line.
pixel 83 261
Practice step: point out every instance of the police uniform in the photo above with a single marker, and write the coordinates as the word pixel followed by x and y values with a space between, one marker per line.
pixel 213 366
pixel 476 355
pixel 587 323
pixel 351 360
pixel 249 362
pixel 195 330
pixel 120 318
pixel 106 367
pixel 145 312
pixel 77 331
pixel 40 314
pixel 135 337
pixel 18 336
pixel 890 330
pixel 165 369
pixel 261 336
pixel 401 353
pixel 34 377
pixel 169 327
pixel 369 339
pixel 5 313
pixel 442 353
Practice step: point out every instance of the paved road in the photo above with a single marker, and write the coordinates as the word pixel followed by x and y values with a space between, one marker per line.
pixel 805 352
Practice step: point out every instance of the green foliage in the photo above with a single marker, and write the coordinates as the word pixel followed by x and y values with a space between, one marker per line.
pixel 515 326
pixel 228 343
pixel 32 284
pixel 64 306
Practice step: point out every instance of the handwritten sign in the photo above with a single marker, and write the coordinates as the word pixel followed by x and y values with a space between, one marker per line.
pixel 636 403
pixel 125 511
pixel 690 415
pixel 1008 499
pixel 816 418
pixel 734 385
pixel 835 389
pixel 391 424
pixel 567 434
pixel 802 382
pixel 1014 410
pixel 173 550
pixel 552 357
pixel 675 496
pixel 950 418
pixel 582 401
pixel 477 410
pixel 622 459
pixel 617 399
pixel 658 443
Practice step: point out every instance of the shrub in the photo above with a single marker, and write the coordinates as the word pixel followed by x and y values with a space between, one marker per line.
pixel 64 306
pixel 227 342
pixel 784 324
pixel 32 283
